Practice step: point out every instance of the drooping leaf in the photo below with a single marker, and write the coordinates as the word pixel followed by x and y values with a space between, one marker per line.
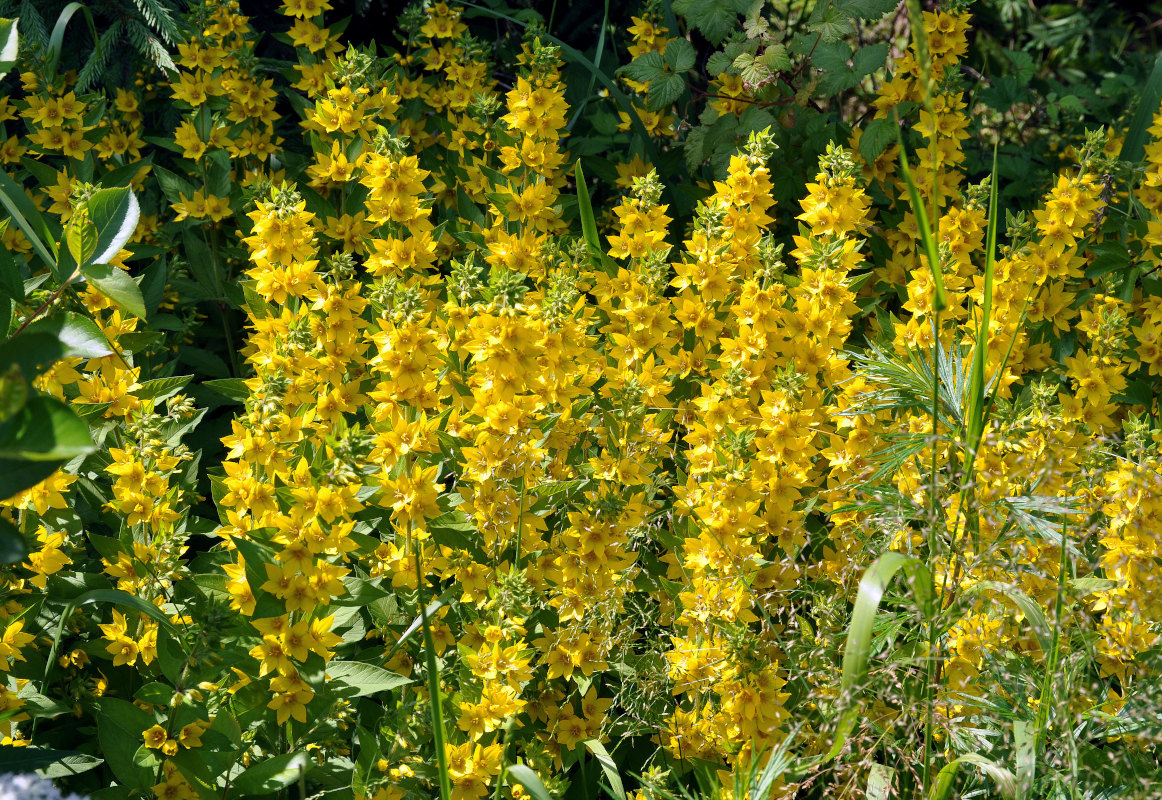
pixel 45 429
pixel 114 213
pixel 116 284
pixel 267 777
pixel 356 679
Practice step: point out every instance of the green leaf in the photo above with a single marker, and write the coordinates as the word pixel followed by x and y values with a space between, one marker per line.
pixel 162 388
pixel 1002 777
pixel 356 679
pixel 877 136
pixel 29 759
pixel 832 24
pixel 45 342
pixel 589 222
pixel 69 765
pixel 9 44
pixel 119 728
pixel 16 475
pixel 81 237
pixel 775 58
pixel 1025 604
pixel 116 284
pixel 866 9
pixel 940 298
pixel 11 283
pixel 715 18
pixel 718 63
pixel 45 429
pixel 13 549
pixel 1026 746
pixel 1133 146
pixel 679 55
pixel 664 91
pixel 645 67
pixel 234 389
pixel 529 780
pixel 28 218
pixel 869 58
pixel 857 650
pixel 616 788
pixel 114 213
pixel 276 773
pixel 879 782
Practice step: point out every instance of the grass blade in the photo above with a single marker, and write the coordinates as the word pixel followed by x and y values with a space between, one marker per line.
pixel 1002 777
pixel 879 782
pixel 857 650
pixel 616 787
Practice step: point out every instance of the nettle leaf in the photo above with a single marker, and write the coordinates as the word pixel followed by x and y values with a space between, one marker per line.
pixel 870 58
pixel 116 284
pixel 832 24
pixel 718 63
pixel 664 91
pixel 866 9
pixel 715 18
pixel 680 55
pixel 114 212
pixel 751 69
pixel 645 67
pixel 775 58
pixel 877 136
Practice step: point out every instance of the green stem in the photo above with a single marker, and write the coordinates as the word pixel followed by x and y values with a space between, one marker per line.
pixel 433 670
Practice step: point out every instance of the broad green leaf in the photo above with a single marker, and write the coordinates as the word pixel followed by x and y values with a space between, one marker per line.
pixel 116 284
pixel 589 223
pixel 45 429
pixel 775 58
pixel 645 67
pixel 9 44
pixel 1000 776
pixel 28 218
pixel 14 392
pixel 357 679
pixel 16 475
pixel 877 136
pixel 267 777
pixel 162 388
pixel 1133 146
pixel 119 728
pixel 869 58
pixel 71 764
pixel 1026 746
pixel 866 9
pixel 879 782
pixel 114 213
pixel 616 787
pixel 665 90
pixel 11 283
pixel 529 780
pixel 857 650
pixel 81 237
pixel 13 549
pixel 679 55
pixel 29 759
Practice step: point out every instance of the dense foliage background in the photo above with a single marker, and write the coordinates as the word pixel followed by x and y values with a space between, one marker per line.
pixel 707 398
